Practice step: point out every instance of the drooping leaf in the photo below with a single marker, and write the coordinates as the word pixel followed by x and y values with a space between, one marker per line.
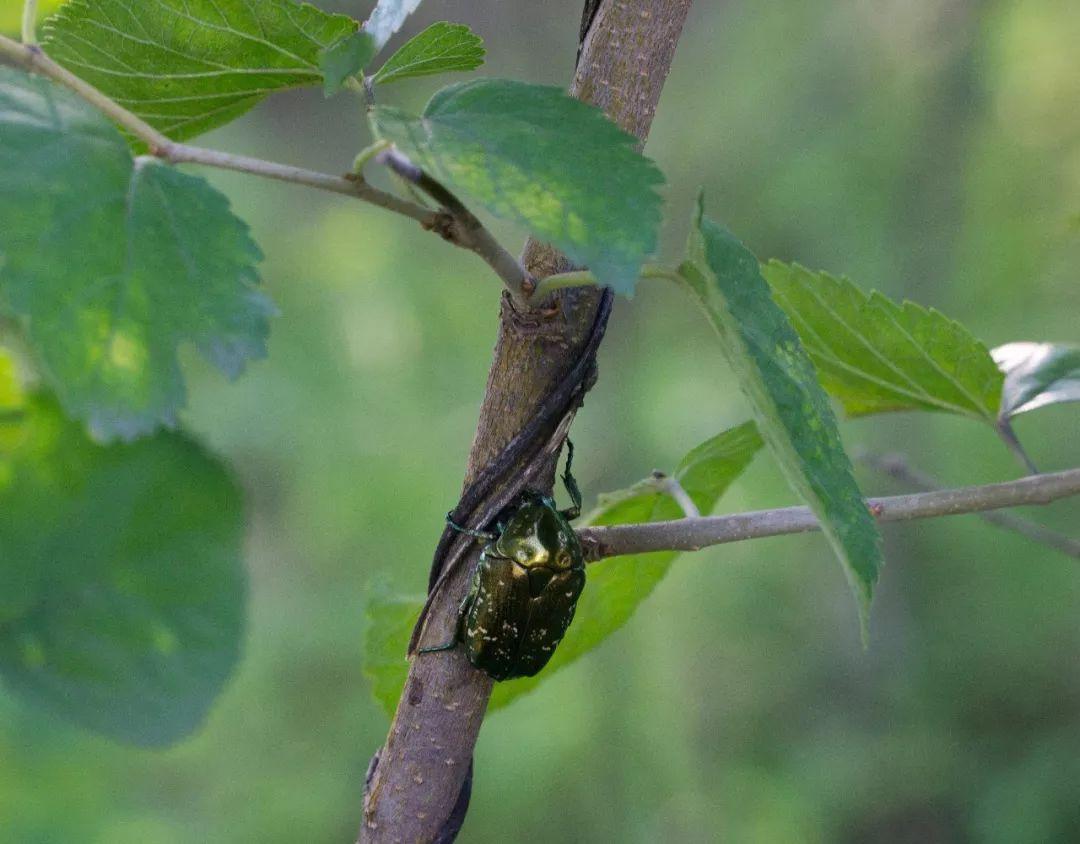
pixel 189 67
pixel 388 623
pixel 387 18
pixel 791 408
pixel 876 356
pixel 113 263
pixel 536 156
pixel 613 589
pixel 441 48
pixel 1037 375
pixel 124 600
pixel 344 59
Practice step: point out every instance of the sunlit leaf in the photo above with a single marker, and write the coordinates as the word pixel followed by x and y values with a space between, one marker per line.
pixel 344 59
pixel 875 355
pixel 536 156
pixel 441 48
pixel 1037 375
pixel 113 263
pixel 123 597
pixel 791 408
pixel 188 67
pixel 387 18
pixel 614 588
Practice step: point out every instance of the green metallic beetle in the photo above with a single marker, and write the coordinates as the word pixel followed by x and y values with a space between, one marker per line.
pixel 525 586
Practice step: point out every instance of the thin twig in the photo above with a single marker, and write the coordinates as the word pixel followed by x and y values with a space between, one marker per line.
pixel 456 225
pixel 466 229
pixel 671 486
pixel 29 22
pixel 897 467
pixel 694 534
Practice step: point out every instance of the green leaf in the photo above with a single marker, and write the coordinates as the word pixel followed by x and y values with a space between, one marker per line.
pixel 388 623
pixel 441 48
pixel 792 410
pixel 1037 375
pixel 345 59
pixel 536 156
pixel 387 18
pixel 876 356
pixel 189 67
pixel 12 399
pixel 123 599
pixel 114 263
pixel 615 588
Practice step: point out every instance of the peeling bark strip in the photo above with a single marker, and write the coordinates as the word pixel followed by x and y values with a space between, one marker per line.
pixel 417 783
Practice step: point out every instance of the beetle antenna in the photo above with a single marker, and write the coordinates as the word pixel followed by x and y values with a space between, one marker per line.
pixel 571 484
pixel 476 534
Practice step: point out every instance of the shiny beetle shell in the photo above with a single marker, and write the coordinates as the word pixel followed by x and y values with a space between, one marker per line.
pixel 524 591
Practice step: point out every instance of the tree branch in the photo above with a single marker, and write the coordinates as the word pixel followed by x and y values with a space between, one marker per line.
pixel 896 466
pixel 418 780
pixel 463 228
pixel 458 226
pixel 695 534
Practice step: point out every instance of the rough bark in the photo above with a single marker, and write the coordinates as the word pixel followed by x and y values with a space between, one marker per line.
pixel 417 781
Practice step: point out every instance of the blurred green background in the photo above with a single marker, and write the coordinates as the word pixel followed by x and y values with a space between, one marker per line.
pixel 928 148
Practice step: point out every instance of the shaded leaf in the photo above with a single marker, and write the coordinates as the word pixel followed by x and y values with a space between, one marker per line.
pixel 876 356
pixel 1037 375
pixel 387 18
pixel 441 48
pixel 113 263
pixel 536 156
pixel 388 624
pixel 124 563
pixel 186 68
pixel 792 410
pixel 345 59
pixel 615 588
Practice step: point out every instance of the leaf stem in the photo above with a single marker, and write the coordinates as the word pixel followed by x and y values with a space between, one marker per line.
pixel 29 23
pixel 1005 430
pixel 694 534
pixel 584 278
pixel 456 224
pixel 366 154
pixel 670 486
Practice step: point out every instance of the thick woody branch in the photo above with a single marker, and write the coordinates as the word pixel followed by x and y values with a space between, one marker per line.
pixel 695 534
pixel 416 784
pixel 457 226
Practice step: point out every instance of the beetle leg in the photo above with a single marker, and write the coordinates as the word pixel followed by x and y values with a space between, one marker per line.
pixel 476 534
pixel 463 610
pixel 571 485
